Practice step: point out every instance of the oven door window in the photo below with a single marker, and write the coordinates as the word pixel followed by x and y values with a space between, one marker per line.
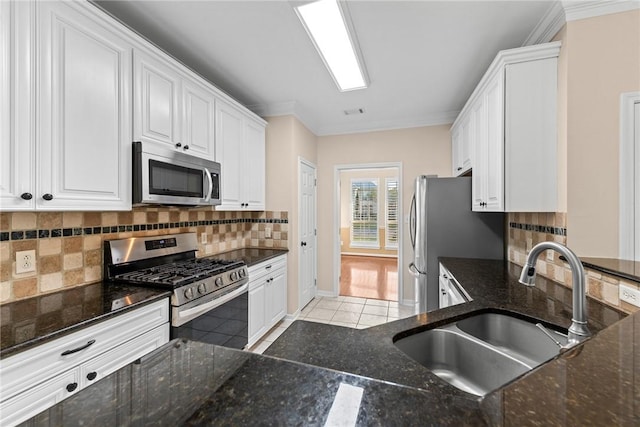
pixel 167 179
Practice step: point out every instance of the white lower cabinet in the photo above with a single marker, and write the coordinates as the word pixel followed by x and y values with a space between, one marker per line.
pixel 267 296
pixel 38 378
pixel 451 293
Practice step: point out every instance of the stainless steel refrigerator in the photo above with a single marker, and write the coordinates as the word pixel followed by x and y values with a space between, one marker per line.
pixel 442 224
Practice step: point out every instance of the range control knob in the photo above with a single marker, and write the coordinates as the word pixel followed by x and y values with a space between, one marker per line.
pixel 219 281
pixel 242 272
pixel 234 276
pixel 202 289
pixel 188 293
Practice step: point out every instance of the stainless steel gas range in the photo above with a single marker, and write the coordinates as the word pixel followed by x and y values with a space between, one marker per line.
pixel 209 300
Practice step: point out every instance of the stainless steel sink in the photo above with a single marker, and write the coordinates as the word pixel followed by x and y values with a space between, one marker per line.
pixel 516 337
pixel 483 352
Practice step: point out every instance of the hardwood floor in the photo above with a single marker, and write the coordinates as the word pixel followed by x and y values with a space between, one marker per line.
pixel 369 277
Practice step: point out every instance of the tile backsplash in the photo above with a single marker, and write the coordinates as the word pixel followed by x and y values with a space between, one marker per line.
pixel 68 245
pixel 528 229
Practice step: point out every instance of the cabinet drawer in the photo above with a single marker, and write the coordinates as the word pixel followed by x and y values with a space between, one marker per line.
pixel 31 367
pixel 258 271
pixel 40 397
pixel 122 355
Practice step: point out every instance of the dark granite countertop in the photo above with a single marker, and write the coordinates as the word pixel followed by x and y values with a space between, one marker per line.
pixel 251 256
pixel 190 383
pixel 493 285
pixel 193 384
pixel 625 269
pixel 33 321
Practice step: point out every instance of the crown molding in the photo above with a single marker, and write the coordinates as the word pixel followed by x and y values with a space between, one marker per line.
pixel 288 108
pixel 575 10
pixel 552 22
pixel 561 12
pixel 445 118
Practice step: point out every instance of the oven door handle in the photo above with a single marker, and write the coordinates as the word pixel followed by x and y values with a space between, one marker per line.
pixel 180 317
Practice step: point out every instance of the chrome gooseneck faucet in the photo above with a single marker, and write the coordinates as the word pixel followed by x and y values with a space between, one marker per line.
pixel 578 330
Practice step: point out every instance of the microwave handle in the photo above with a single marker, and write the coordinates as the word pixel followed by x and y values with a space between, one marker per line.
pixel 210 181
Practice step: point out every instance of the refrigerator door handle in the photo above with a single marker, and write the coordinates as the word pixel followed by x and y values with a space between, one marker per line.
pixel 414 270
pixel 412 221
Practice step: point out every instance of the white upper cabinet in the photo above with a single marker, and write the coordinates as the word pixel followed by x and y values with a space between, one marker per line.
pixel 172 106
pixel 77 87
pixel 84 156
pixel 76 155
pixel 240 149
pixel 198 130
pixel 156 100
pixel 461 149
pixel 17 139
pixel 511 124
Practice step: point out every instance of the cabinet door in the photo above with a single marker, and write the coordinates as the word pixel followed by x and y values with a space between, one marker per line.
pixel 443 294
pixel 156 100
pixel 257 314
pixel 83 150
pixel 229 129
pixel 38 398
pixel 494 101
pixel 477 136
pixel 460 148
pixel 17 143
pixel 198 119
pixel 253 176
pixel 276 297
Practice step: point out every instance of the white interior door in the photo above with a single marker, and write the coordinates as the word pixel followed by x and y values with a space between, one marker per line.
pixel 307 232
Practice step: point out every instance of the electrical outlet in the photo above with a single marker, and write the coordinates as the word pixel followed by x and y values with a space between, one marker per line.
pixel 267 232
pixel 203 238
pixel 25 261
pixel 630 295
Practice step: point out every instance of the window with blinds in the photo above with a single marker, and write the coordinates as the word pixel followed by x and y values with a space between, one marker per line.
pixel 364 213
pixel 391 213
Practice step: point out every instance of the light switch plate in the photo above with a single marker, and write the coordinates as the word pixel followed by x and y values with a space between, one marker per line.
pixel 267 232
pixel 630 295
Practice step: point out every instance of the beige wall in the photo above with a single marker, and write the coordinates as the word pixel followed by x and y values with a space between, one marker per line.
pixel 603 61
pixel 287 139
pixel 422 150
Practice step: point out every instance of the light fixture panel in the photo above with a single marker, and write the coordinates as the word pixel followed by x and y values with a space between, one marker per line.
pixel 326 23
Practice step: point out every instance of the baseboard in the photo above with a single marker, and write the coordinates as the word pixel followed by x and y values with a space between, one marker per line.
pixel 292 316
pixel 408 302
pixel 369 255
pixel 328 294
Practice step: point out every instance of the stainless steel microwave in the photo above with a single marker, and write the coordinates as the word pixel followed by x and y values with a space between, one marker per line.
pixel 167 177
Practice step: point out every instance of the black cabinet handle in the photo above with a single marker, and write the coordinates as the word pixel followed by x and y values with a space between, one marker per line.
pixel 47 196
pixel 92 376
pixel 186 147
pixel 75 350
pixel 26 196
pixel 459 168
pixel 303 243
pixel 178 145
pixel 71 387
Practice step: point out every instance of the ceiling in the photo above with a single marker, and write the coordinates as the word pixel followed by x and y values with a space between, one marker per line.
pixel 423 58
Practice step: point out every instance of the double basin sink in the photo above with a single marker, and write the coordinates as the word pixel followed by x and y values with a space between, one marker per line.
pixel 482 352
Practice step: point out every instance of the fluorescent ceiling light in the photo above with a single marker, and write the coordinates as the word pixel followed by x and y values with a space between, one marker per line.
pixel 325 23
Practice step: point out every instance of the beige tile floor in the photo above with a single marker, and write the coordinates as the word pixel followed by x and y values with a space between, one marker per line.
pixel 351 312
